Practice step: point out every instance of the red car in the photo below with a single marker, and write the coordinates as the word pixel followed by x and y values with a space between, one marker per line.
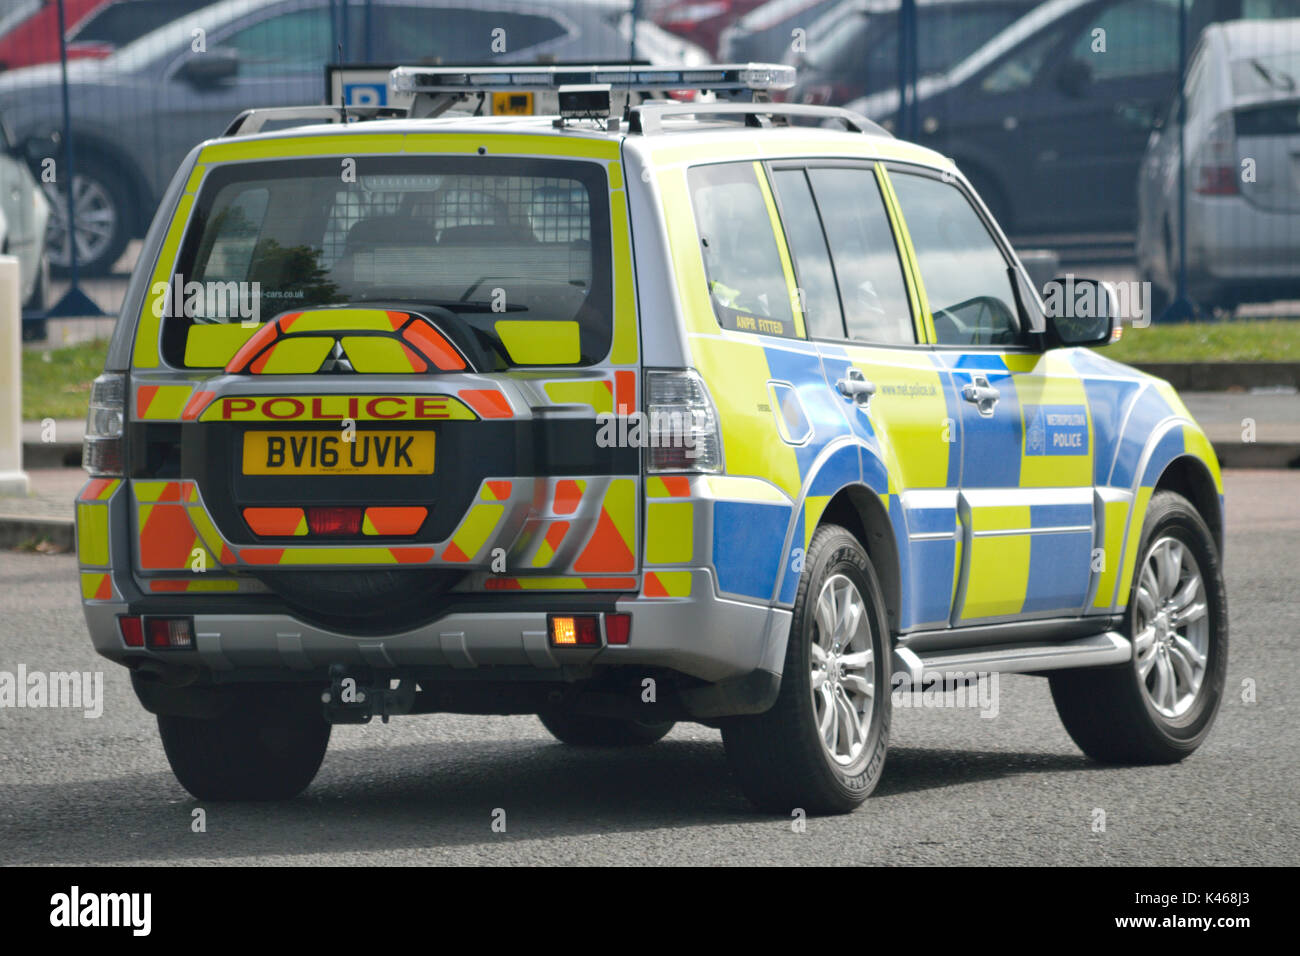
pixel 29 31
pixel 702 21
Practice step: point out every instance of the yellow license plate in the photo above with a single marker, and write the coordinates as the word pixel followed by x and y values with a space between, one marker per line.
pixel 326 453
pixel 512 104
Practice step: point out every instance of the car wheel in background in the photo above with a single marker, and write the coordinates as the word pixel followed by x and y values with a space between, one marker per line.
pixel 1160 706
pixel 821 747
pixel 102 207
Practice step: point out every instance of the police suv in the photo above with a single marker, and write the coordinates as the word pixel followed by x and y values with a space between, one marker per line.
pixel 650 411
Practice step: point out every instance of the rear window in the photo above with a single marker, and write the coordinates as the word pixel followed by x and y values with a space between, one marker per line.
pixel 120 23
pixel 492 240
pixel 1268 75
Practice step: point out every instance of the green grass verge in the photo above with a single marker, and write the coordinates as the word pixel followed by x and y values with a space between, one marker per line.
pixel 56 382
pixel 1249 340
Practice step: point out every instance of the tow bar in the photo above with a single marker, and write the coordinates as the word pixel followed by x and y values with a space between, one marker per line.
pixel 355 699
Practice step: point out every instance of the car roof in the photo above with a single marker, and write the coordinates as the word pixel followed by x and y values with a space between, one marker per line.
pixel 1255 37
pixel 698 134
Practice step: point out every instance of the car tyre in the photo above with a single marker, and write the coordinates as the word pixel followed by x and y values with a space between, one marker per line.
pixel 104 201
pixel 581 730
pixel 821 747
pixel 266 746
pixel 1160 706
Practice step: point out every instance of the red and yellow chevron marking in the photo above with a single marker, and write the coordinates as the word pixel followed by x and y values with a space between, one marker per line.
pixel 276 522
pixel 161 402
pixel 663 584
pixel 488 402
pixel 386 341
pixel 609 550
pixel 393 521
pixel 99 489
pixel 550 543
pixel 599 394
pixel 560 584
pixel 191 585
pixel 195 406
pixel 495 490
pixel 335 556
pixel 568 495
pixel 475 529
pixel 668 486
pixel 167 536
pixel 97 587
pixel 625 391
pixel 92 534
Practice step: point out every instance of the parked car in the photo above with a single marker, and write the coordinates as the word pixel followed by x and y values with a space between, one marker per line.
pixel 24 218
pixel 702 21
pixel 120 22
pixel 853 49
pixel 1050 118
pixel 766 33
pixel 1241 162
pixel 136 113
pixel 29 30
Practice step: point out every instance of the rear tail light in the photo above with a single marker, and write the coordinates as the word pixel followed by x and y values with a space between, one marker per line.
pixel 132 631
pixel 574 630
pixel 683 425
pixel 340 521
pixel 166 633
pixel 1216 173
pixel 618 628
pixel 101 452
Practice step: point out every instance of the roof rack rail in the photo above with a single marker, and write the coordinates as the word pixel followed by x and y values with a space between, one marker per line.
pixel 252 121
pixel 647 117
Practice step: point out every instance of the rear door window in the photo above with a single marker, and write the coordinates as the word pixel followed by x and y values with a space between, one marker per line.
pixel 500 243
pixel 867 266
pixel 742 263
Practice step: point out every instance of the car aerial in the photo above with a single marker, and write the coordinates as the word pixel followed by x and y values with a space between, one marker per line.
pixel 137 112
pixel 852 50
pixel 1241 140
pixel 686 413
pixel 767 33
pixel 29 30
pixel 1049 119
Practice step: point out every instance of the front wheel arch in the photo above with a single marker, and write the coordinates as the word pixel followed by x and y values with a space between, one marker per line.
pixel 1189 477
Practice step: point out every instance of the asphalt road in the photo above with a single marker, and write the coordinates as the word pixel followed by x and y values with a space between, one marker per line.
pixel 958 788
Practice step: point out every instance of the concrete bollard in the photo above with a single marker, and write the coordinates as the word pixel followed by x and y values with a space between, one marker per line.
pixel 13 480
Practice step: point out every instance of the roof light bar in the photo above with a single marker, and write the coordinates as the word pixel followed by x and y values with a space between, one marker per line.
pixel 731 76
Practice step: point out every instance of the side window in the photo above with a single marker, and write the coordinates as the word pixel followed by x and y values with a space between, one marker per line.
pixel 1018 70
pixel 803 231
pixel 1135 38
pixel 741 262
pixel 291 42
pixel 965 275
pixel 867 266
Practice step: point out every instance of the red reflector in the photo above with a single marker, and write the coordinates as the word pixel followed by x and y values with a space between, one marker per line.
pixel 618 628
pixel 1217 181
pixel 574 630
pixel 168 632
pixel 132 631
pixel 343 521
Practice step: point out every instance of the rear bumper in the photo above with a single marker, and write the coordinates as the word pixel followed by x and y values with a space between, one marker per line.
pixel 706 637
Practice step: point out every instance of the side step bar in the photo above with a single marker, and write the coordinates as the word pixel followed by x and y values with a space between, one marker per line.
pixel 1094 651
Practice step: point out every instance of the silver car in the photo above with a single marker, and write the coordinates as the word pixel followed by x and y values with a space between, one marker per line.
pixel 1242 170
pixel 24 216
pixel 136 113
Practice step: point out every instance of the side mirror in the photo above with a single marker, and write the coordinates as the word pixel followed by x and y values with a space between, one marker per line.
pixel 206 70
pixel 1080 311
pixel 1074 78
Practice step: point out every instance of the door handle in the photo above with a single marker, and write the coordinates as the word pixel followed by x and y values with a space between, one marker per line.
pixel 981 394
pixel 856 387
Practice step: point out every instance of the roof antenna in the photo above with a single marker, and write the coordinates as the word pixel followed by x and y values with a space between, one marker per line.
pixel 343 100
